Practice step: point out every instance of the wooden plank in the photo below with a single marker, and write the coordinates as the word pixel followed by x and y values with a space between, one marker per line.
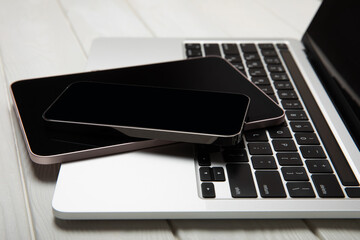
pixel 335 229
pixel 91 19
pixel 40 42
pixel 242 229
pixel 196 18
pixel 14 213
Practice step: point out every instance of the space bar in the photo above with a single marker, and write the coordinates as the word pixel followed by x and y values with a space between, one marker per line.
pixel 338 159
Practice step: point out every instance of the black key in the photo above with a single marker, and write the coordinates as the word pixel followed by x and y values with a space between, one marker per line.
pixel 263 162
pixel 195 46
pixel 248 48
pixel 273 97
pixel 205 174
pixel 272 60
pixel 284 145
pixel 193 53
pixel 279 76
pixel 279 132
pixel 266 46
pixel 257 72
pixel 241 181
pixel 296 115
pixel 230 49
pixel 212 49
pixel 251 56
pixel 218 173
pixel 276 68
pixel 208 190
pixel 235 155
pixel 260 80
pixel 254 64
pixel 306 139
pixel 256 136
pixel 327 186
pixel 266 89
pixel 294 174
pixel 233 58
pixel 300 190
pixel 318 166
pixel 282 46
pixel 259 149
pixel 312 152
pixel 291 104
pixel 287 94
pixel 289 159
pixel 239 66
pixel 270 184
pixel 203 159
pixel 269 53
pixel 301 126
pixel 207 148
pixel 283 85
pixel 353 192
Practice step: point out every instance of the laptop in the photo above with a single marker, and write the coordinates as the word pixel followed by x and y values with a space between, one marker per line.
pixel 306 168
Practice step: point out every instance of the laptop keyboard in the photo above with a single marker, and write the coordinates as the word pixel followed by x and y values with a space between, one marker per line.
pixel 287 161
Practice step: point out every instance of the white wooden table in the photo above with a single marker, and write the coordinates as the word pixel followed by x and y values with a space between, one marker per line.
pixel 50 37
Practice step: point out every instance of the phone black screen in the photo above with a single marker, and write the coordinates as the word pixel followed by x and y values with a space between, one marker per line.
pixel 167 109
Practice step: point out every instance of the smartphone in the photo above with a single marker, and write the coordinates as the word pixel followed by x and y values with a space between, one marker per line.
pixel 169 114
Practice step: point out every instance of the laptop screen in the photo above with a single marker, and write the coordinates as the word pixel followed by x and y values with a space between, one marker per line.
pixel 333 47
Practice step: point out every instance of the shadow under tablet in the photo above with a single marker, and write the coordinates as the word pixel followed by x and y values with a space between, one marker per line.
pixel 57 142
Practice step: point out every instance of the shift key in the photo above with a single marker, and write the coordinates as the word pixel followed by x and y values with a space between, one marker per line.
pixel 270 184
pixel 241 181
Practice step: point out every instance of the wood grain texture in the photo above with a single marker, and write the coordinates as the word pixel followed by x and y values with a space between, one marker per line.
pixel 335 229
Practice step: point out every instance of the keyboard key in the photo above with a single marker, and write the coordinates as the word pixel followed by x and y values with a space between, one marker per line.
pixel 267 89
pixel 218 173
pixel 266 46
pixel 203 159
pixel 230 49
pixel 235 155
pixel 251 56
pixel 287 94
pixel 289 159
pixel 263 162
pixel 269 53
pixel 233 58
pixel 279 132
pixel 296 115
pixel 248 48
pixel 193 53
pixel 257 72
pixel 282 46
pixel 195 46
pixel 275 68
pixel 284 145
pixel 273 97
pixel 254 64
pixel 241 181
pixel 291 104
pixel 306 139
pixel 283 85
pixel 272 60
pixel 312 152
pixel 301 126
pixel 239 66
pixel 327 186
pixel 256 136
pixel 212 49
pixel 300 190
pixel 294 174
pixel 259 149
pixel 318 166
pixel 208 190
pixel 353 192
pixel 279 76
pixel 205 174
pixel 270 184
pixel 260 80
